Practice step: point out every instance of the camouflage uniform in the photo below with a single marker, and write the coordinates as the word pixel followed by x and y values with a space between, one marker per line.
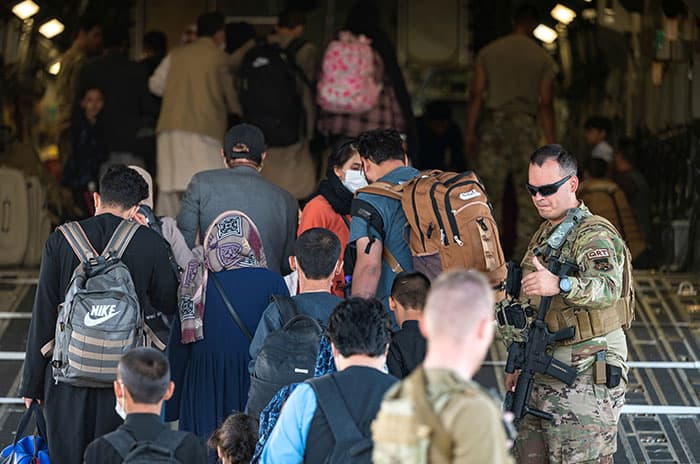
pixel 584 428
pixel 507 140
pixel 400 436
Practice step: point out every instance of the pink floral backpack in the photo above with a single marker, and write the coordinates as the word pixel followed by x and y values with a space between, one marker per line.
pixel 347 80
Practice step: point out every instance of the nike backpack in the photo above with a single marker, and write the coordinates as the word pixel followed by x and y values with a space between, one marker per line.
pixel 287 356
pixel 450 221
pixel 347 78
pixel 100 318
pixel 269 93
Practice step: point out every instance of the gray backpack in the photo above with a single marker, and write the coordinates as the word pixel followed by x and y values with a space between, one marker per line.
pixel 100 319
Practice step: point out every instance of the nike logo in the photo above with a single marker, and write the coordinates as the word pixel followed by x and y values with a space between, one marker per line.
pixel 104 313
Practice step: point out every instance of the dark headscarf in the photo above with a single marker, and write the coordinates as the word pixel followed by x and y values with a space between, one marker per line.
pixel 333 190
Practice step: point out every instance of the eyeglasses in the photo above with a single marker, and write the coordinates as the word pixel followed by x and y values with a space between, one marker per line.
pixel 547 190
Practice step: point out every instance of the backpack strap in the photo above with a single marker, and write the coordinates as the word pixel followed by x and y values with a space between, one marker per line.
pixel 121 441
pixel 170 439
pixel 288 307
pixel 365 210
pixel 440 438
pixel 78 241
pixel 335 409
pixel 291 53
pixel 230 307
pixel 120 239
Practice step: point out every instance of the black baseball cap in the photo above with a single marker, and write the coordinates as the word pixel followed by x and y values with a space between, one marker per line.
pixel 248 140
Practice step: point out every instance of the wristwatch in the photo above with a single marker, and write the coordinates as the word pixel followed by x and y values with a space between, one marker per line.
pixel 565 285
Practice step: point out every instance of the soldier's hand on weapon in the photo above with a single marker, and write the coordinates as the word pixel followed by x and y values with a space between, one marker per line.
pixel 541 282
pixel 511 380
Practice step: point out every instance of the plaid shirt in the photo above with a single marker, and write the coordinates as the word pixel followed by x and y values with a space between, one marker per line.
pixel 386 114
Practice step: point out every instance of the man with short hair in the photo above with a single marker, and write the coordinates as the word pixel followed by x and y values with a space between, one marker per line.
pixel 514 81
pixel 407 350
pixel 239 186
pixel 591 298
pixel 289 164
pixel 383 159
pixel 87 42
pixel 317 261
pixel 77 415
pixel 308 430
pixel 197 89
pixel 469 425
pixel 143 384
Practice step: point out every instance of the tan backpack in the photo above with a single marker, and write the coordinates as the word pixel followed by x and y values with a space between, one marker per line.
pixel 451 224
pixel 605 198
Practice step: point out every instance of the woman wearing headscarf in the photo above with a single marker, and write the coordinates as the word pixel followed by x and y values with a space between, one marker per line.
pixel 210 340
pixel 330 208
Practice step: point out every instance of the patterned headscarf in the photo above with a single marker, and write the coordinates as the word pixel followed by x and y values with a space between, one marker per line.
pixel 231 242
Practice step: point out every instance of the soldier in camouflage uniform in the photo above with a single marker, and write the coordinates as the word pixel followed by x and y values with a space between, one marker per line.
pixel 438 414
pixel 513 80
pixel 584 428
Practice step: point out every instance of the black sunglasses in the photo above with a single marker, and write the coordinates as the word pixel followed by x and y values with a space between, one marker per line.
pixel 547 190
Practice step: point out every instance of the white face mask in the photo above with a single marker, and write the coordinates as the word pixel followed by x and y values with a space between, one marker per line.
pixel 119 407
pixel 354 180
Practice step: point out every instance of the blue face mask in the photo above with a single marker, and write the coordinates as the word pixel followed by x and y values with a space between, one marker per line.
pixel 354 180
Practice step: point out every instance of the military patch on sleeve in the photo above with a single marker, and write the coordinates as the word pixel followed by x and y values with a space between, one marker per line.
pixel 602 264
pixel 598 253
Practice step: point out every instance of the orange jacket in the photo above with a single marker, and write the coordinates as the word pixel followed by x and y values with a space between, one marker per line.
pixel 319 213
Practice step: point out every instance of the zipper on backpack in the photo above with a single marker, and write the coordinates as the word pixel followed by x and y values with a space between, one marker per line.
pixel 482 224
pixel 451 217
pixel 415 213
pixel 436 210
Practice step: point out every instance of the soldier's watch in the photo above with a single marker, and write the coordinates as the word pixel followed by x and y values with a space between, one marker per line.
pixel 564 284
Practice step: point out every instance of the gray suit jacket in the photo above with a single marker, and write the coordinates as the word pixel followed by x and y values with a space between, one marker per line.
pixel 273 210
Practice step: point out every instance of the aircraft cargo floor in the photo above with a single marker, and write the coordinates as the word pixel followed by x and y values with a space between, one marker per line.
pixel 661 418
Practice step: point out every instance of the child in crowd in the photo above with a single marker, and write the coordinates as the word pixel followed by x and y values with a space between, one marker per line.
pixel 596 131
pixel 407 349
pixel 235 439
pixel 81 171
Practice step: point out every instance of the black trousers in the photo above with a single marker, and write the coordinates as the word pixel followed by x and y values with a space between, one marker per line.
pixel 75 416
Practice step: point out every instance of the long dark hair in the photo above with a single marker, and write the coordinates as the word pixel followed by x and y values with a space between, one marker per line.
pixel 342 152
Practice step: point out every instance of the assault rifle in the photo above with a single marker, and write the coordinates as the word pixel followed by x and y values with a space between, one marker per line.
pixel 531 356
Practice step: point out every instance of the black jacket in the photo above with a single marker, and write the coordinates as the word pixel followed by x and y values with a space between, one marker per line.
pixel 406 351
pixel 145 427
pixel 147 259
pixel 361 389
pixel 124 84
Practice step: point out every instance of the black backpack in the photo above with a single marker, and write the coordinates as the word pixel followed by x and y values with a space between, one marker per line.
pixel 287 356
pixel 351 446
pixel 159 451
pixel 268 92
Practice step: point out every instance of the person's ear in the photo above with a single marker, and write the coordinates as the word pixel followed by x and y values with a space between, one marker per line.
pixel 423 326
pixel 263 156
pixel 392 303
pixel 574 183
pixel 334 351
pixel 170 391
pixel 117 388
pixel 338 267
pixel 405 159
pixel 293 263
pixel 96 199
